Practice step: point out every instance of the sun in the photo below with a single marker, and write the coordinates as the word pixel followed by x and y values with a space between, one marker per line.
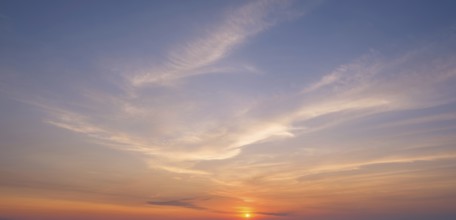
pixel 247 215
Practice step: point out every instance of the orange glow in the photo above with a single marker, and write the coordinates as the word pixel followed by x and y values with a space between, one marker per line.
pixel 247 215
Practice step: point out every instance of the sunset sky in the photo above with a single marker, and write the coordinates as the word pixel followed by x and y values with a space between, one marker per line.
pixel 228 110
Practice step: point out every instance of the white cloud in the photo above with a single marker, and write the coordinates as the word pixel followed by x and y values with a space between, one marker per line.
pixel 199 56
pixel 175 130
pixel 181 130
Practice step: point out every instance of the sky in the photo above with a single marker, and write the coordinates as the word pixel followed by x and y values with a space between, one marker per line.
pixel 228 110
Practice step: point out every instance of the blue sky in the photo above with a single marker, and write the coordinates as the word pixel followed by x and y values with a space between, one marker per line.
pixel 215 109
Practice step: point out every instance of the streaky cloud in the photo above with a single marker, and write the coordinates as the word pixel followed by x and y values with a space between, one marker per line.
pixel 189 203
pixel 199 56
pixel 279 214
pixel 184 203
pixel 421 120
pixel 363 88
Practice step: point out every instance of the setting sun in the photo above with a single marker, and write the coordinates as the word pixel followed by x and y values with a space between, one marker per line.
pixel 247 215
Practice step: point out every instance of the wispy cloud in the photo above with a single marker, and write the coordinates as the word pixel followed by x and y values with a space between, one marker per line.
pixel 200 55
pixel 273 213
pixel 186 135
pixel 189 203
pixel 184 203
pixel 421 120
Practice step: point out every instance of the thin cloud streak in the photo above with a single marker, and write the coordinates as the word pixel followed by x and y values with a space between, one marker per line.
pixel 421 120
pixel 184 203
pixel 197 57
pixel 279 214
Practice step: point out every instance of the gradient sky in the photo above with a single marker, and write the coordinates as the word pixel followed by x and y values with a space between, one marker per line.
pixel 198 110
